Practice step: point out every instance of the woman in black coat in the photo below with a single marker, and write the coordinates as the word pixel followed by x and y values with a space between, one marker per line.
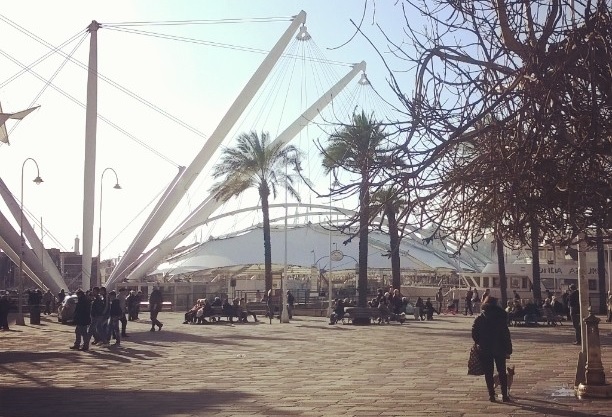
pixel 82 320
pixel 490 332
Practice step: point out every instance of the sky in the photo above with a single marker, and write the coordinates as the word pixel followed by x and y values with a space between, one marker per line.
pixel 194 82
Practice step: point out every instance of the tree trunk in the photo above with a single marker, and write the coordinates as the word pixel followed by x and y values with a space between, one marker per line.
pixel 535 261
pixel 601 273
pixel 264 192
pixel 501 267
pixel 394 242
pixel 364 217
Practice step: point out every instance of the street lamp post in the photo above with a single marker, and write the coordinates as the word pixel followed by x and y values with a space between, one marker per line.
pixel 116 187
pixel 20 320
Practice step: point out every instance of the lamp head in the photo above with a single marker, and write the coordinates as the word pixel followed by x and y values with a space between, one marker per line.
pixel 38 180
pixel 117 186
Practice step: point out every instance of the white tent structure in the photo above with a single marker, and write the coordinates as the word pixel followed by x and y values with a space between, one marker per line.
pixel 308 245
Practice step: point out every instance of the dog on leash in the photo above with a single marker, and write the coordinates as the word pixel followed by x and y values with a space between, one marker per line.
pixel 510 373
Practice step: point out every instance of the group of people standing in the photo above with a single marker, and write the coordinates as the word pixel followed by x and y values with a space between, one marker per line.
pixel 472 300
pixel 97 316
pixel 101 316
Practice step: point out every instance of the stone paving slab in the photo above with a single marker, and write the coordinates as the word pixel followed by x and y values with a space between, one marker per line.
pixel 304 368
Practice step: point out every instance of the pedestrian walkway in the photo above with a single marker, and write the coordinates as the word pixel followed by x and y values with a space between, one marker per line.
pixel 304 368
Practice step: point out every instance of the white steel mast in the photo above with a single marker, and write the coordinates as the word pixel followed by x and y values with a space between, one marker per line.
pixel 201 214
pixel 49 275
pixel 89 174
pixel 186 178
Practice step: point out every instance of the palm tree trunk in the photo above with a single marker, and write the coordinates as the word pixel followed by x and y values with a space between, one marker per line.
pixel 364 217
pixel 501 267
pixel 265 208
pixel 601 272
pixel 535 261
pixel 394 242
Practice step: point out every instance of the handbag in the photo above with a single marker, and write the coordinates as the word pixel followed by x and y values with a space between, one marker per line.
pixel 474 362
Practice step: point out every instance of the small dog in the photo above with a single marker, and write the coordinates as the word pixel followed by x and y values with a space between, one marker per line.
pixel 510 373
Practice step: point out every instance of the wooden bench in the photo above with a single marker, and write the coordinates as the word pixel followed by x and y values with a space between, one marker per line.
pixel 553 320
pixel 218 314
pixel 373 313
pixel 260 309
pixel 166 306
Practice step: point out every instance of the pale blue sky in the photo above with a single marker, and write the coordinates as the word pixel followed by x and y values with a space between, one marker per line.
pixel 196 83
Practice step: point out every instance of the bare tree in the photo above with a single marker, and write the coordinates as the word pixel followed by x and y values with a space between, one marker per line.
pixel 509 127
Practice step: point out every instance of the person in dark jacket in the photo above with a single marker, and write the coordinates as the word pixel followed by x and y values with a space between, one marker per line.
pixel 115 313
pixel 155 306
pixel 97 315
pixel 490 332
pixel 338 312
pixel 5 306
pixel 574 308
pixel 82 319
pixel 531 313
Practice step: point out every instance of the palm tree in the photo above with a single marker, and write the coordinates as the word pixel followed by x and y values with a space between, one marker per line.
pixel 356 148
pixel 254 163
pixel 390 203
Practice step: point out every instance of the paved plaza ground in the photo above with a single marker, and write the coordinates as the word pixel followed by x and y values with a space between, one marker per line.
pixel 304 368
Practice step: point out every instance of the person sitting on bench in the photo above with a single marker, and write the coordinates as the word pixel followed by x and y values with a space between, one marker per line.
pixel 245 312
pixel 190 316
pixel 205 310
pixel 228 310
pixel 430 309
pixel 338 312
pixel 516 311
pixel 531 313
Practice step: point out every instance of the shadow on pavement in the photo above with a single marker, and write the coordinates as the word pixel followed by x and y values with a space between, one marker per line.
pixel 30 357
pixel 547 408
pixel 118 354
pixel 37 401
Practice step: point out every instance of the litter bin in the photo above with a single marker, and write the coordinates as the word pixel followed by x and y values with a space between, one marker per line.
pixel 35 314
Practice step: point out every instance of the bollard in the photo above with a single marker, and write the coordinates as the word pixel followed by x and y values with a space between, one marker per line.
pixel 594 384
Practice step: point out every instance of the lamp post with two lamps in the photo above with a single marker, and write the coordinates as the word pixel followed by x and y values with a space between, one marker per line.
pixel 116 187
pixel 20 320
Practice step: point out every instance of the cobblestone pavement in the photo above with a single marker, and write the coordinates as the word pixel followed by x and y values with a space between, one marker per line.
pixel 304 368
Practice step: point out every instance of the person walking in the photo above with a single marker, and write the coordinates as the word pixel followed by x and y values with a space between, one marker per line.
pixel 609 319
pixel 573 302
pixel 60 296
pixel 5 306
pixel 290 302
pixel 490 332
pixel 97 317
pixel 475 300
pixel 115 312
pixel 47 299
pixel 122 297
pixel 269 305
pixel 155 306
pixel 468 302
pixel 131 305
pixel 82 319
pixel 440 298
pixel 485 294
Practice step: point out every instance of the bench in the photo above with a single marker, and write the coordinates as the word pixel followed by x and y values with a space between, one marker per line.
pixel 374 314
pixel 166 306
pixel 260 309
pixel 218 314
pixel 552 320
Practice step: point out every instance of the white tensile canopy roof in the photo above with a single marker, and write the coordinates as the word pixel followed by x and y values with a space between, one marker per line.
pixel 307 245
